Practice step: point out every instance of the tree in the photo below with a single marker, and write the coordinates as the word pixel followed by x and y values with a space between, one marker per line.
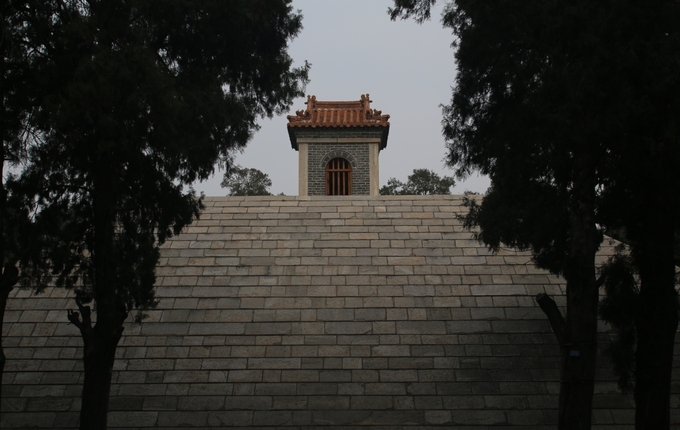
pixel 23 22
pixel 142 99
pixel 242 181
pixel 422 182
pixel 571 110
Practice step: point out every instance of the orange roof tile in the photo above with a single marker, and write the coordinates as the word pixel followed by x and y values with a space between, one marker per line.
pixel 338 114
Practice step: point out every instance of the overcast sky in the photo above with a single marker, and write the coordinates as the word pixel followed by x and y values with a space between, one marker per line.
pixel 354 48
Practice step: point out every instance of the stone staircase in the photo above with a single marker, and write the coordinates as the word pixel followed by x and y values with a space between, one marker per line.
pixel 316 312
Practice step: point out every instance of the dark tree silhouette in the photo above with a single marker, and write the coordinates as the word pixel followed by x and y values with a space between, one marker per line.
pixel 140 100
pixel 21 40
pixel 571 109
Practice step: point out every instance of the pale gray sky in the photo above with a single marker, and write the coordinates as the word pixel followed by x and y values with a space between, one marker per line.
pixel 354 48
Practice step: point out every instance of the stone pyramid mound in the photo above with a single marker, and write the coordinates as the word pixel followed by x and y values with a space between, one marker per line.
pixel 316 312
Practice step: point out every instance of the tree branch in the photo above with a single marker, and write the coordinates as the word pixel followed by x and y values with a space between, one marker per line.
pixel 74 317
pixel 554 315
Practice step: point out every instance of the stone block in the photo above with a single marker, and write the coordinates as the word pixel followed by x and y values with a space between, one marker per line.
pixel 132 419
pixel 406 261
pixel 230 418
pixel 382 327
pixel 247 351
pixel 333 351
pixel 525 418
pixel 365 375
pixel 244 376
pixel 383 388
pixel 48 404
pixel 325 418
pixel 243 389
pixel 235 315
pixel 358 340
pixel 328 402
pixel 34 420
pixel 165 403
pixel 271 375
pixel 316 389
pixel 275 389
pixel 332 363
pixel 290 402
pixel 200 403
pixel 335 376
pixel 43 391
pixel 421 327
pixel 399 375
pixel 472 417
pixel 247 402
pixel 372 402
pixel 390 351
pixel 335 314
pixel 308 328
pixel 299 376
pixel 465 327
pixel 223 363
pixel 175 419
pixel 524 388
pixel 280 328
pixel 274 363
pixel 348 327
pixel 351 363
pixel 437 417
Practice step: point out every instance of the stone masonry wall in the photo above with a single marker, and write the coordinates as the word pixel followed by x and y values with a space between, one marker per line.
pixel 317 312
pixel 359 156
pixel 317 169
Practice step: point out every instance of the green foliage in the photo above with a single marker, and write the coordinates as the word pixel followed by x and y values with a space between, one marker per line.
pixel 243 181
pixel 421 182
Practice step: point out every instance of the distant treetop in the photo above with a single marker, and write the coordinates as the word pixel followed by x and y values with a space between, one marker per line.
pixel 421 182
pixel 243 181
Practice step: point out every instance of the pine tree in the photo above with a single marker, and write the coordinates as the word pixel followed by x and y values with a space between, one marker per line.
pixel 142 99
pixel 571 109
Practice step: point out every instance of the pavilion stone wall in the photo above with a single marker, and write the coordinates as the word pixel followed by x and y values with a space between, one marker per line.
pixel 316 312
pixel 327 147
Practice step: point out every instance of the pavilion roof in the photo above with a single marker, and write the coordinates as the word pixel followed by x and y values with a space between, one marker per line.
pixel 356 113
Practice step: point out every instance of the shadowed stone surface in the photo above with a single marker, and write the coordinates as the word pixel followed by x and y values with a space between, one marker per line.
pixel 317 312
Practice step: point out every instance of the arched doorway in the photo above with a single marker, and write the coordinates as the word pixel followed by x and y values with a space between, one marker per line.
pixel 338 177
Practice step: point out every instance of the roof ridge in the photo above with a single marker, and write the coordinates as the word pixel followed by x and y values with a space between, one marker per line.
pixel 328 114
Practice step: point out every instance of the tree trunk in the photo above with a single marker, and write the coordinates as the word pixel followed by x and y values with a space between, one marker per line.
pixel 657 323
pixel 9 278
pixel 97 383
pixel 10 274
pixel 579 354
pixel 577 334
pixel 101 341
pixel 4 294
pixel 654 362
